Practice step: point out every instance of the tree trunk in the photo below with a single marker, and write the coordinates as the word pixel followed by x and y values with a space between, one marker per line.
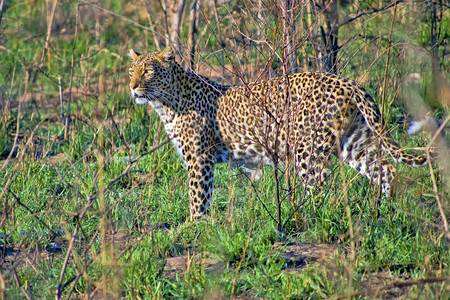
pixel 434 33
pixel 192 39
pixel 330 34
pixel 177 15
pixel 287 15
pixel 440 90
pixel 173 14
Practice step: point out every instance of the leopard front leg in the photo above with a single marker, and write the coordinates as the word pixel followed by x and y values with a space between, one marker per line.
pixel 198 152
pixel 201 176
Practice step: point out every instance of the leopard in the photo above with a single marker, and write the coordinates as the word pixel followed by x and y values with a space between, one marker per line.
pixel 306 118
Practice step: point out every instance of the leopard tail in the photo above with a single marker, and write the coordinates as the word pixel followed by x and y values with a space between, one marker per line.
pixel 366 105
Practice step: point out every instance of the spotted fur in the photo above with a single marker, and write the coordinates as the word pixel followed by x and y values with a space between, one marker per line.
pixel 306 116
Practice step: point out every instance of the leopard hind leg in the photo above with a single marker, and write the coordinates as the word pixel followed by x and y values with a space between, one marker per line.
pixel 362 151
pixel 312 163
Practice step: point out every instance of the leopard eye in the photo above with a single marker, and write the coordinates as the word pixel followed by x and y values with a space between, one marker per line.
pixel 148 72
pixel 130 72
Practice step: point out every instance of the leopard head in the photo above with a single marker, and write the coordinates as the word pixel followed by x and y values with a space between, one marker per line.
pixel 151 76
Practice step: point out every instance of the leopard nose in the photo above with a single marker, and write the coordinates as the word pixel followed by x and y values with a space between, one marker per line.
pixel 133 85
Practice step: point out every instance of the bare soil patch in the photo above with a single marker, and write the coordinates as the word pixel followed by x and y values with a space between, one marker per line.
pixel 296 255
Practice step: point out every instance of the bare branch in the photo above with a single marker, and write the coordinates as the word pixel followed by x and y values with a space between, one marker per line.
pixel 121 17
pixel 369 12
pixel 24 291
pixel 2 9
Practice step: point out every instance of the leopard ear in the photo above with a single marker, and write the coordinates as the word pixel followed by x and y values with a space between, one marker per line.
pixel 133 55
pixel 168 54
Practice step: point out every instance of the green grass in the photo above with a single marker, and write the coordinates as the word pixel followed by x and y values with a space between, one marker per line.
pixel 132 240
pixel 405 241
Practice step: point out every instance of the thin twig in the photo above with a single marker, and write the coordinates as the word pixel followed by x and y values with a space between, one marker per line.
pixel 50 17
pixel 438 131
pixel 386 67
pixel 2 286
pixel 436 194
pixel 72 289
pixel 61 286
pixel 86 208
pixel 5 205
pixel 24 291
pixel 16 138
pixel 151 151
pixel 243 256
pixel 433 178
pixel 72 66
pixel 2 9
pixel 32 213
pixel 61 99
pixel 260 200
pixel 124 251
pixel 369 12
pixel 123 18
